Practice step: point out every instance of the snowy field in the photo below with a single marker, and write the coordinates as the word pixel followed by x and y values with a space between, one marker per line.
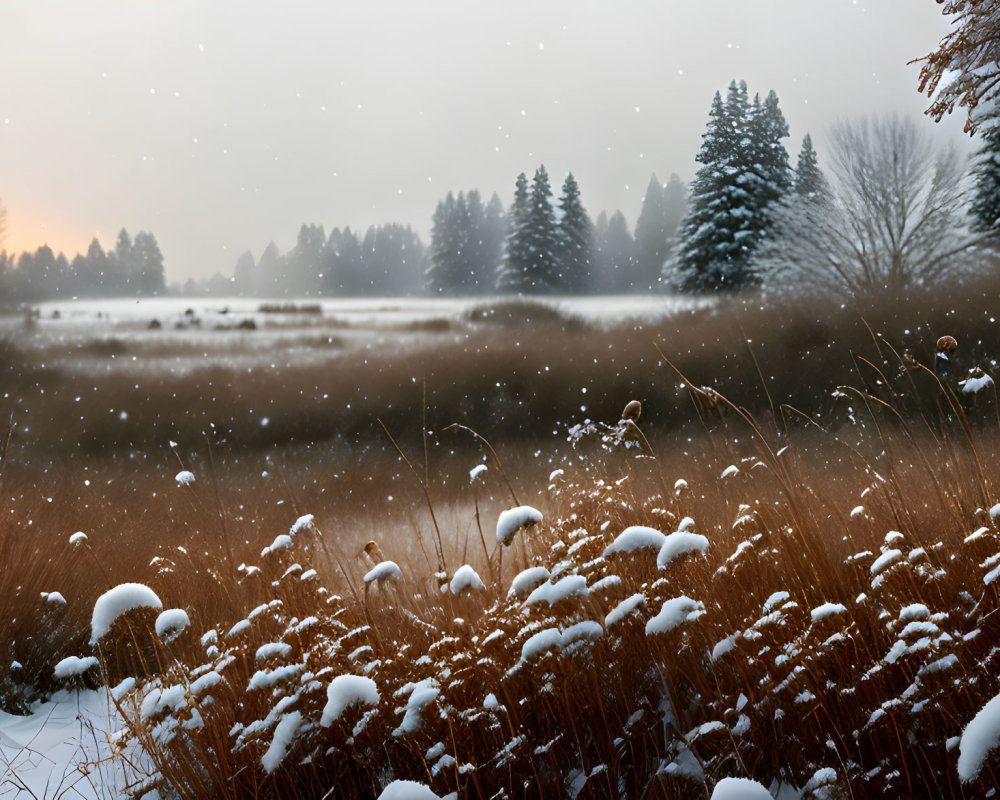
pixel 179 334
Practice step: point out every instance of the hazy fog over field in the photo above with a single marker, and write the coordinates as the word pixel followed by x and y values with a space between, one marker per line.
pixel 221 126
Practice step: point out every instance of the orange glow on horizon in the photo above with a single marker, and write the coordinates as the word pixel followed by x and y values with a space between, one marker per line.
pixel 26 234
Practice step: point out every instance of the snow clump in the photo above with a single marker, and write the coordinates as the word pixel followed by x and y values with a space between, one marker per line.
pixel 281 542
pixel 386 570
pixel 635 538
pixel 284 738
pixel 558 639
pixel 980 737
pixel 303 523
pixel 171 624
pixel 513 519
pixel 185 477
pixel 739 789
pixel 675 612
pixel 345 691
pixel 73 666
pixel 78 538
pixel 527 580
pixel 466 579
pixel 679 543
pixel 411 790
pixel 117 601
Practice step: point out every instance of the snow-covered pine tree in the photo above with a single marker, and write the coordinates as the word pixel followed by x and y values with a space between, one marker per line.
pixel 512 272
pixel 542 235
pixel 744 171
pixel 575 241
pixel 985 205
pixel 775 176
pixel 809 178
pixel 708 256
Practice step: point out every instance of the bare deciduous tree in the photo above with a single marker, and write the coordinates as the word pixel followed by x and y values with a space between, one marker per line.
pixel 893 217
pixel 965 68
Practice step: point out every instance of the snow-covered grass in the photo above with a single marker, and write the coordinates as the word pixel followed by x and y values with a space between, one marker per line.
pixel 747 624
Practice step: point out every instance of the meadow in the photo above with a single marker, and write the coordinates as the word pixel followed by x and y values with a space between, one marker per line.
pixel 783 571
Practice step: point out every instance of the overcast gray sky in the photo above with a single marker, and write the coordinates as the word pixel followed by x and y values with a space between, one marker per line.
pixel 219 125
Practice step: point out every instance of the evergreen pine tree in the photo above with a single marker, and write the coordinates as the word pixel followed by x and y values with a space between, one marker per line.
pixel 614 254
pixel 810 182
pixel 744 171
pixel 541 235
pixel 446 248
pixel 985 206
pixel 576 241
pixel 651 237
pixel 512 274
pixel 147 276
pixel 493 233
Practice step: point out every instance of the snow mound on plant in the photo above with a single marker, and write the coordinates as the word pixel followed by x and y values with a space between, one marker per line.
pixel 740 789
pixel 513 519
pixel 979 739
pixel 117 601
pixel 345 691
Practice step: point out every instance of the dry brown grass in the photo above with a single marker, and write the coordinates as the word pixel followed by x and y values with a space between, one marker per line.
pixel 820 491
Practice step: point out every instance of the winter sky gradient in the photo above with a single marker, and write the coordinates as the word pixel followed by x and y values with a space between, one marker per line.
pixel 221 125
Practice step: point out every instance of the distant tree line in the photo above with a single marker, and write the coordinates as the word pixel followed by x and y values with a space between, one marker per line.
pixel 387 260
pixel 133 268
pixel 538 246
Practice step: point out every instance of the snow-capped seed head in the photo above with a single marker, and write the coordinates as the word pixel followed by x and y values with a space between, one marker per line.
pixel 384 571
pixel 946 345
pixel 171 623
pixel 185 477
pixel 78 538
pixel 117 601
pixel 976 382
pixel 513 519
pixel 466 580
pixel 303 523
pixel 476 471
pixel 632 411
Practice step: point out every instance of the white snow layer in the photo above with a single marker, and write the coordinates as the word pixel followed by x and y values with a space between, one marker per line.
pixel 62 748
pixel 422 694
pixel 387 570
pixel 820 613
pixel 623 609
pixel 513 519
pixel 979 739
pixel 282 741
pixel 740 789
pixel 679 543
pixel 78 538
pixel 674 612
pixel 558 639
pixel 411 790
pixel 345 691
pixel 72 666
pixel 171 623
pixel 552 593
pixel 527 580
pixel 281 542
pixel 466 579
pixel 115 602
pixel 185 477
pixel 635 538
